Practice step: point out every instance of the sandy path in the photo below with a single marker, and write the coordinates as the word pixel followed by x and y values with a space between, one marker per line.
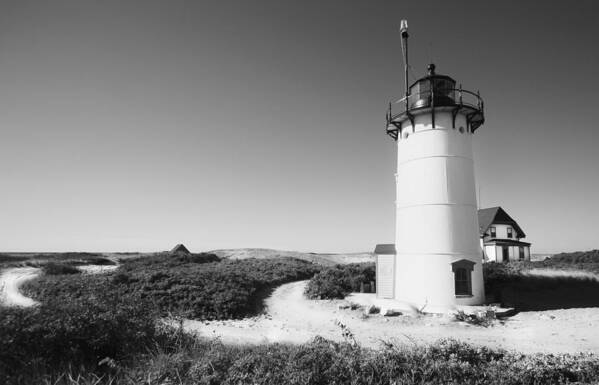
pixel 11 280
pixel 292 318
pixel 97 269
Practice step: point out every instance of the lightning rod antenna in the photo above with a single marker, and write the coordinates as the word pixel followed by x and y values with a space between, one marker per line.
pixel 404 39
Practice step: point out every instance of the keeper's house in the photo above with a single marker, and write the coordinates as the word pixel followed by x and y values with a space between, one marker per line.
pixel 500 237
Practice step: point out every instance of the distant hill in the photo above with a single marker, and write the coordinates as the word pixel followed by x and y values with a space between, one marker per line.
pixel 322 259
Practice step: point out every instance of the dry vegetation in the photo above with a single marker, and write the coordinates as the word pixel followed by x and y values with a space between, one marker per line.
pixel 41 259
pixel 107 330
pixel 318 258
pixel 515 285
pixel 197 286
pixel 340 280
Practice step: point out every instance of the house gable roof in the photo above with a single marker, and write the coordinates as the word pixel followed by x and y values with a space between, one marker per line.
pixel 488 216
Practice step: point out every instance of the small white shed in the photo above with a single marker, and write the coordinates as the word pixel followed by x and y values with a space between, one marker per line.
pixel 385 270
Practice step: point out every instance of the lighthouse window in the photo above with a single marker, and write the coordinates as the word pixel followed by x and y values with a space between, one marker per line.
pixel 462 272
pixel 424 90
pixel 462 282
pixel 444 87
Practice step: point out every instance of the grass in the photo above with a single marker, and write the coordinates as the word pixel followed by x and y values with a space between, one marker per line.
pixel 10 259
pixel 105 329
pixel 178 358
pixel 40 259
pixel 196 286
pixel 513 286
pixel 58 268
pixel 59 335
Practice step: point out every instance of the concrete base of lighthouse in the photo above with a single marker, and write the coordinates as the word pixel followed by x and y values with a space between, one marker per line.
pixel 436 288
pixel 401 286
pixel 391 307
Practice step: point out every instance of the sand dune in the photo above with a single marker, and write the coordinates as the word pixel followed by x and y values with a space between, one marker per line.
pixel 323 259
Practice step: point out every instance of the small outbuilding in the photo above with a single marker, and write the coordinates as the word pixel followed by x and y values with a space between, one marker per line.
pixel 179 249
pixel 385 270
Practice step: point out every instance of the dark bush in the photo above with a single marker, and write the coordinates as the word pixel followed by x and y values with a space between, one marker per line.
pixel 511 285
pixel 57 268
pixel 178 358
pixel 80 331
pixel 170 260
pixel 9 258
pixel 340 280
pixel 326 362
pixel 121 278
pixel 208 290
pixel 94 260
pixel 194 258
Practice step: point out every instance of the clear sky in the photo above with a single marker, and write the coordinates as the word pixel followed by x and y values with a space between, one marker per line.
pixel 135 125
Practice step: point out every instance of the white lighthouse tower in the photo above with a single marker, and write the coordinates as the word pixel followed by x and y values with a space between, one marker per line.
pixel 438 257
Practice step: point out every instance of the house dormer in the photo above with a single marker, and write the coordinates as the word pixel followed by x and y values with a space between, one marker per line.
pixel 501 236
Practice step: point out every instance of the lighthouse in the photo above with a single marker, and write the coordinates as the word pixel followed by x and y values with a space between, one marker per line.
pixel 436 262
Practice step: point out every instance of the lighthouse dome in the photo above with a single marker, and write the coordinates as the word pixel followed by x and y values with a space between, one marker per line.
pixel 431 94
pixel 432 90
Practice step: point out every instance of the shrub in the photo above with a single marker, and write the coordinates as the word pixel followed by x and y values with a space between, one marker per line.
pixel 169 260
pixel 326 362
pixel 340 280
pixel 480 319
pixel 193 289
pixel 121 278
pixel 57 268
pixel 178 358
pixel 10 259
pixel 80 331
pixel 374 309
pixel 510 285
pixel 95 260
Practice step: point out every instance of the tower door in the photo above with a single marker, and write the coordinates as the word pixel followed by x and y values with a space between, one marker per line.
pixel 506 253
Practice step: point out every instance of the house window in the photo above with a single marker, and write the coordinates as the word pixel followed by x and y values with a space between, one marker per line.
pixel 462 271
pixel 509 232
pixel 521 253
pixel 492 231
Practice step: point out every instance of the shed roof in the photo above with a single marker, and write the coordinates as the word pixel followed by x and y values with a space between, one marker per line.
pixel 488 216
pixel 385 248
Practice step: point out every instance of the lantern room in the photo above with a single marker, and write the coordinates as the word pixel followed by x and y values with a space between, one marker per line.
pixel 432 90
pixel 432 93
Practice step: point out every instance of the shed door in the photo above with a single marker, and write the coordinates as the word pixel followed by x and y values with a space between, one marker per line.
pixel 384 275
